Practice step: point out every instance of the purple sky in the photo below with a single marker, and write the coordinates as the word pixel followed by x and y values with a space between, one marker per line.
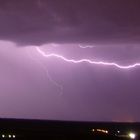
pixel 35 87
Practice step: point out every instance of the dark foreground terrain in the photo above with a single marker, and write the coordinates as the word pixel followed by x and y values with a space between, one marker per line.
pixel 59 130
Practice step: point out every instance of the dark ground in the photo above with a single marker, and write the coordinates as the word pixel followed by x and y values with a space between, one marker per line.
pixel 60 130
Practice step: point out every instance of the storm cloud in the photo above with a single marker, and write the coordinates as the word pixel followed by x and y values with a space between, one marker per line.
pixel 45 21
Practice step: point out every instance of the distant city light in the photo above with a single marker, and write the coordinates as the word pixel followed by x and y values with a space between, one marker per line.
pixel 118 131
pixel 132 135
pixel 106 131
pixel 102 130
pixel 8 136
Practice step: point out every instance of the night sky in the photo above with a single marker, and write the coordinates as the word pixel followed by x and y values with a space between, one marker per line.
pixel 37 87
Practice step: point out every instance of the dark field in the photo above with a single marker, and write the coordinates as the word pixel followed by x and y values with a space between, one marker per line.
pixel 60 130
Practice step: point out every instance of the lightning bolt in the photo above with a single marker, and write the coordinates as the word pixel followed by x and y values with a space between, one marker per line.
pixel 88 46
pixel 46 71
pixel 87 60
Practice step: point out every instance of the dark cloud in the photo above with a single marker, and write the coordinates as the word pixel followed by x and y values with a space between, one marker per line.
pixel 42 21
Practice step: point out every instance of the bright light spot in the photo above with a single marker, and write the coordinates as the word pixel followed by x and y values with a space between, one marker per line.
pixel 9 136
pixel 14 136
pixel 107 132
pixel 132 135
pixel 118 131
pixel 93 130
pixel 3 136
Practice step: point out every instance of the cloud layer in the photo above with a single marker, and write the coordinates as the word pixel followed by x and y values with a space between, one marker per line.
pixel 46 21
